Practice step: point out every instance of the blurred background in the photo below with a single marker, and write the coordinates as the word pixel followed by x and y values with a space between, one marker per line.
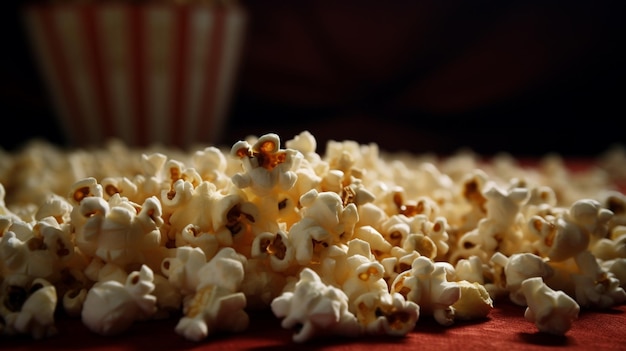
pixel 526 77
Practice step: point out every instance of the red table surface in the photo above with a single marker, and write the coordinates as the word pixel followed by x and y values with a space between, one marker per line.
pixel 504 329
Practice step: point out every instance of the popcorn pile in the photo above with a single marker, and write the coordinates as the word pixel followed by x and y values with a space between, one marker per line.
pixel 354 242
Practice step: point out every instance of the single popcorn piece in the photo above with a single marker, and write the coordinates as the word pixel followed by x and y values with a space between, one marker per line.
pixel 560 239
pixel 120 185
pixel 617 267
pixel 382 313
pixel 325 221
pixel 471 269
pixel 474 303
pixel 366 276
pixel 592 217
pixel 314 309
pixel 426 284
pixel 111 307
pixel 277 248
pixel 379 246
pixel 57 207
pixel 497 230
pixel 216 304
pixel 552 311
pixel 471 188
pixel 120 232
pixel 211 165
pixel 182 269
pixel 518 268
pixel 35 317
pixel 265 165
pixel 570 232
pixel 44 251
pixel 596 287
pixel 202 206
pixel 400 261
pixel 213 309
pixel 611 247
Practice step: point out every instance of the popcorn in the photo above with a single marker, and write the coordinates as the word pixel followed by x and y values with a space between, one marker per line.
pixel 182 270
pixel 379 246
pixel 436 231
pixel 518 268
pixel 470 269
pixel 560 238
pixel 471 191
pixel 215 305
pixel 211 165
pixel 74 299
pixel 366 276
pixel 325 221
pixel 381 313
pixel 314 309
pixel 120 233
pixel 262 284
pixel 276 247
pixel 420 243
pixel 426 285
pixel 57 207
pixel 209 211
pixel 611 247
pixel 474 302
pixel 265 166
pixel 349 243
pixel 596 287
pixel 168 299
pixel 496 229
pixel 306 144
pixel 617 267
pixel 35 316
pixel 552 311
pixel 111 307
pixel 44 254
pixel 615 202
pixel 213 309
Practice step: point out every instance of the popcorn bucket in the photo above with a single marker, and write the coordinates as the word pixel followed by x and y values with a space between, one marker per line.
pixel 142 72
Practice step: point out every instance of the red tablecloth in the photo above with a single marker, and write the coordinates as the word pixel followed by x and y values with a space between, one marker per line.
pixel 504 329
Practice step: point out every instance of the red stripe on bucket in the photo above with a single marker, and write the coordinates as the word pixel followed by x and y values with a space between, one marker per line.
pixel 207 118
pixel 180 45
pixel 68 94
pixel 137 50
pixel 93 44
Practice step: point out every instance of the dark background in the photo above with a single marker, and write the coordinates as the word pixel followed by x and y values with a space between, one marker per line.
pixel 527 77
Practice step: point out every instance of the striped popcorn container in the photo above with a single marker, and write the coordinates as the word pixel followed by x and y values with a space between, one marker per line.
pixel 144 72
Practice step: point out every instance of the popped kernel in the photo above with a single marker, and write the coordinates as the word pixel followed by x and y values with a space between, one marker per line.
pixel 552 311
pixel 382 313
pixel 313 309
pixel 474 303
pixel 426 284
pixel 265 165
pixel 111 307
pixel 216 304
pixel 519 267
pixel 31 309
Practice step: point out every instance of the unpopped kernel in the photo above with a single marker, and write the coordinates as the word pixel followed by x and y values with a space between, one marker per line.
pixel 352 242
